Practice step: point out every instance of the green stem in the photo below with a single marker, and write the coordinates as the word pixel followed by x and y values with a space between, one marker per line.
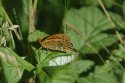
pixel 11 24
pixel 31 17
pixel 40 73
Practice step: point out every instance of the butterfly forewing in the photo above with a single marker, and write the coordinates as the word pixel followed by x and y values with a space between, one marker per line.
pixel 59 42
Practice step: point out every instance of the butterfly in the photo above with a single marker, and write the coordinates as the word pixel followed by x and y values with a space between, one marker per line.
pixel 57 42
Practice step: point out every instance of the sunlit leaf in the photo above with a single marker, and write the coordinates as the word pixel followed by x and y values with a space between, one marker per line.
pixel 13 65
pixel 90 25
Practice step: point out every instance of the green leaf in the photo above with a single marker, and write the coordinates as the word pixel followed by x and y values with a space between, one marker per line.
pixel 12 65
pixel 98 42
pixel 90 2
pixel 119 53
pixel 123 78
pixel 82 65
pixel 90 24
pixel 44 56
pixel 118 20
pixel 66 73
pixel 109 3
pixel 34 36
pixel 98 78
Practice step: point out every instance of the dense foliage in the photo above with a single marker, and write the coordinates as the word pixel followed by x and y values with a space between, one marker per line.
pixel 96 29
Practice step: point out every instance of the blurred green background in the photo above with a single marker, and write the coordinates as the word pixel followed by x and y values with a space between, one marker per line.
pixel 96 29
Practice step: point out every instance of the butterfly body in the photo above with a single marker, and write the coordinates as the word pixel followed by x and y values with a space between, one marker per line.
pixel 58 42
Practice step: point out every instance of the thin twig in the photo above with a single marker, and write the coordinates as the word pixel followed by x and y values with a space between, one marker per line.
pixel 74 29
pixel 35 8
pixel 96 52
pixel 110 20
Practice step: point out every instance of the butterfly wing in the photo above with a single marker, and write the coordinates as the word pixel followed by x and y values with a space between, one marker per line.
pixel 59 42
